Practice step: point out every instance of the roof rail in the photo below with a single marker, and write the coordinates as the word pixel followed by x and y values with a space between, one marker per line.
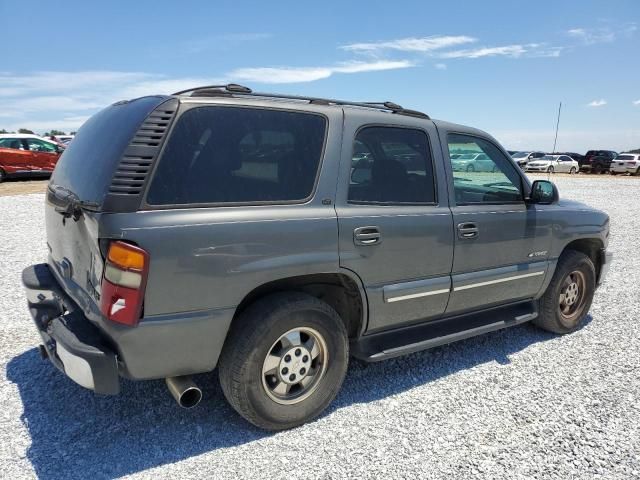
pixel 232 89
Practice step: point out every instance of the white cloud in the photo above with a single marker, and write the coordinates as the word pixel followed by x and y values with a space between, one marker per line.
pixel 64 100
pixel 636 102
pixel 411 44
pixel 440 66
pixel 514 51
pixel 310 74
pixel 592 35
pixel 597 103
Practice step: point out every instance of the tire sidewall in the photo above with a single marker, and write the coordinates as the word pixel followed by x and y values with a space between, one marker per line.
pixel 328 324
pixel 576 261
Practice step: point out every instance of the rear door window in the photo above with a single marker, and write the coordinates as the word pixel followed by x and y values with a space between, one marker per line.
pixel 391 165
pixel 219 155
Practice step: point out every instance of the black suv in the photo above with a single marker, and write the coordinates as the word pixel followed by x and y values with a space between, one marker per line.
pixel 597 161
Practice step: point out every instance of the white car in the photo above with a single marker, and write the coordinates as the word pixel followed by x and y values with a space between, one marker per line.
pixel 522 158
pixel 553 164
pixel 473 162
pixel 626 163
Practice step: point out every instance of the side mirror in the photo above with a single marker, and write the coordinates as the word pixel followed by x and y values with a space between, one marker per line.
pixel 544 192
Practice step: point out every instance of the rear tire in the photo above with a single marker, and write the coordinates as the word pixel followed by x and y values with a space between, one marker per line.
pixel 3 175
pixel 567 300
pixel 637 172
pixel 597 169
pixel 269 370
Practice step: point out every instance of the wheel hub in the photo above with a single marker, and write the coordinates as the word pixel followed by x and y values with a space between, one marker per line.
pixel 571 293
pixel 294 365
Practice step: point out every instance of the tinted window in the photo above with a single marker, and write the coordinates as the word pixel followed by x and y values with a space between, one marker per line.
pixel 391 165
pixel 484 175
pixel 236 155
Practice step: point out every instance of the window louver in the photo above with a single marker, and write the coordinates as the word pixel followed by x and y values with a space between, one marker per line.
pixel 139 156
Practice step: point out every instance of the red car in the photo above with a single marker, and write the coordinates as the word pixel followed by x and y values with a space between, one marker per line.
pixel 22 154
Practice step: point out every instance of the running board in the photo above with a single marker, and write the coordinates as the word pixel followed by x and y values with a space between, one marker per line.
pixel 402 341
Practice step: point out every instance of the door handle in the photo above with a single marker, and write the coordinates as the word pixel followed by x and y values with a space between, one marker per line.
pixel 467 230
pixel 367 236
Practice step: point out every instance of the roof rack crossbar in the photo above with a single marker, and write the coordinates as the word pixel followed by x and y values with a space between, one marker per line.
pixel 236 89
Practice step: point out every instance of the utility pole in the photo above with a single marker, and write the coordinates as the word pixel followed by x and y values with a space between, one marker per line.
pixel 557 125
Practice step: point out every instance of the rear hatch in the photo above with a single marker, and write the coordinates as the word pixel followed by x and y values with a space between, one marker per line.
pixel 102 172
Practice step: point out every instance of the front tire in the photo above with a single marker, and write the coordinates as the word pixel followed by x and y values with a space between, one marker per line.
pixel 572 171
pixel 284 360
pixel 550 170
pixel 470 168
pixel 567 300
pixel 3 175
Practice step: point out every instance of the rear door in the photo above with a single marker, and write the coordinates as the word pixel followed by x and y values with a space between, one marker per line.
pixel 395 228
pixel 501 243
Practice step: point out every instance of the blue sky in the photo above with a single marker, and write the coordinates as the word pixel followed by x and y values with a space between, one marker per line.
pixel 499 66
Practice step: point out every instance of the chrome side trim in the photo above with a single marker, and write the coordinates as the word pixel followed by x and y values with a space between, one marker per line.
pixel 500 280
pixel 417 295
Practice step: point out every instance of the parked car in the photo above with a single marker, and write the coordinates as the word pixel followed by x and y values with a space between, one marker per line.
pixel 27 155
pixel 598 161
pixel 522 158
pixel 220 228
pixel 472 162
pixel 626 163
pixel 576 156
pixel 553 164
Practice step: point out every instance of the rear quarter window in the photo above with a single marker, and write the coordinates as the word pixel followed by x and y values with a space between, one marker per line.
pixel 226 155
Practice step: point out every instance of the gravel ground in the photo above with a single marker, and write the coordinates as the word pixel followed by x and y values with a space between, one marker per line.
pixel 519 403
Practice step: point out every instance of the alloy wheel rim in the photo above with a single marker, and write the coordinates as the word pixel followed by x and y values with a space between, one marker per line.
pixel 294 365
pixel 572 297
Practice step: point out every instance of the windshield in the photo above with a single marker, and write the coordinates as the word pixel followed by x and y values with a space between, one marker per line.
pixel 547 158
pixel 519 155
pixel 466 156
pixel 625 157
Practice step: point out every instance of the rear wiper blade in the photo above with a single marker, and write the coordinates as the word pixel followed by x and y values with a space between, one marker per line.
pixel 68 204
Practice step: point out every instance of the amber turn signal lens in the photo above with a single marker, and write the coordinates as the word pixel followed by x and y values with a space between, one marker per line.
pixel 126 256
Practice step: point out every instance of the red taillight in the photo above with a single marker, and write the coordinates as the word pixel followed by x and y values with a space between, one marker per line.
pixel 124 282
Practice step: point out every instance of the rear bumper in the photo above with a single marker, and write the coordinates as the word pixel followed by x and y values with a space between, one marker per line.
pixel 73 344
pixel 605 262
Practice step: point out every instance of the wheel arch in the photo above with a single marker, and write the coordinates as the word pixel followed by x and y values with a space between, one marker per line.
pixel 341 291
pixel 591 247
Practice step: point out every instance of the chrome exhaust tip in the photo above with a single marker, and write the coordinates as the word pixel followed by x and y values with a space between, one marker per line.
pixel 184 391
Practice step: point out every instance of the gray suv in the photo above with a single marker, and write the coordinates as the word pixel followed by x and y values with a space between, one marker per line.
pixel 274 236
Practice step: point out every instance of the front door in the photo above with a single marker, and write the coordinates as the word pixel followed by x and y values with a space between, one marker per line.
pixel 44 153
pixel 501 243
pixel 393 231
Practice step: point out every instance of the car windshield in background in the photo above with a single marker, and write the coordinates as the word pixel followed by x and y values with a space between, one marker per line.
pixel 467 156
pixel 625 157
pixel 519 155
pixel 547 158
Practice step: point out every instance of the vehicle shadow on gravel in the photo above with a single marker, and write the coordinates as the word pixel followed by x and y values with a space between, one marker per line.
pixel 76 434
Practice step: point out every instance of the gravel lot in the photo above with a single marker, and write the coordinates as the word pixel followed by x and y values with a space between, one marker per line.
pixel 518 403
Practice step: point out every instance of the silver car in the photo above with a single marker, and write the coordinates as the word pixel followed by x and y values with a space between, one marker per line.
pixel 553 164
